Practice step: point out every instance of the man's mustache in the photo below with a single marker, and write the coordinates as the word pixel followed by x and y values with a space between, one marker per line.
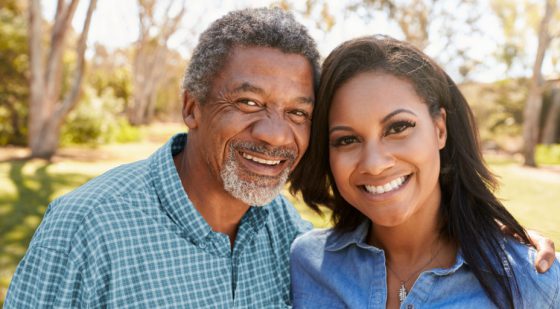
pixel 275 152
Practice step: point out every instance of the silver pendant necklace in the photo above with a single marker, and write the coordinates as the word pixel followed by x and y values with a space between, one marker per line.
pixel 403 292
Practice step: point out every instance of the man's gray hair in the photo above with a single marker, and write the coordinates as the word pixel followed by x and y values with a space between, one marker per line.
pixel 262 27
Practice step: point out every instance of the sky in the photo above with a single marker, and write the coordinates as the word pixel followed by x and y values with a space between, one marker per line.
pixel 115 25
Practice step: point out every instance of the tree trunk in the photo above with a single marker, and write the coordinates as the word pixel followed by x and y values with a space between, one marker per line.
pixel 47 108
pixel 531 124
pixel 534 101
pixel 552 118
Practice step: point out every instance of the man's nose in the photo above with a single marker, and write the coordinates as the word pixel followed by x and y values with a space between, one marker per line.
pixel 274 130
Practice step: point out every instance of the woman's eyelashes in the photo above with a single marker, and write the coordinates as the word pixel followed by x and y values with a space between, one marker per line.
pixel 399 126
pixel 343 140
pixel 395 128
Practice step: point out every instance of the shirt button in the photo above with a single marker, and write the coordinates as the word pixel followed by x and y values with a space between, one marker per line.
pixel 410 306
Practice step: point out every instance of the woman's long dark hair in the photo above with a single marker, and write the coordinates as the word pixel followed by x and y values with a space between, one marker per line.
pixel 469 211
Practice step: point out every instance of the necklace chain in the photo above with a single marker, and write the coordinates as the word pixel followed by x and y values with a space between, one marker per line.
pixel 403 292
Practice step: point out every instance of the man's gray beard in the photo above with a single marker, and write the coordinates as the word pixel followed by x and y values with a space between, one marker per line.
pixel 254 193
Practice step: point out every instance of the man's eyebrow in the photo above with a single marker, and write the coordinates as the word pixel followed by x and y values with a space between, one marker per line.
pixel 248 87
pixel 306 100
pixel 395 112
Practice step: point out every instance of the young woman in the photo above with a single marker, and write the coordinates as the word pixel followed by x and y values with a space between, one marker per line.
pixel 415 219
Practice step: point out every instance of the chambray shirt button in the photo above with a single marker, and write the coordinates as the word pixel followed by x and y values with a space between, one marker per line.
pixel 410 306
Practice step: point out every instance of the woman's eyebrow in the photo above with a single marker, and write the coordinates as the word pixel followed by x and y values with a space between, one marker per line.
pixel 339 128
pixel 395 112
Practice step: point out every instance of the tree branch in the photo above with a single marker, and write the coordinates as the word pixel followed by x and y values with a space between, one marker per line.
pixel 54 63
pixel 71 98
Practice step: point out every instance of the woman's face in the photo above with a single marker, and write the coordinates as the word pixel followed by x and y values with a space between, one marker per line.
pixel 384 149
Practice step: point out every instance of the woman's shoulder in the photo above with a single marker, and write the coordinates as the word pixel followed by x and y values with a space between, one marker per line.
pixel 312 241
pixel 532 284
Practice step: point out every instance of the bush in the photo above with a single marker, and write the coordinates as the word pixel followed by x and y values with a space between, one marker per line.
pixel 98 120
pixel 548 154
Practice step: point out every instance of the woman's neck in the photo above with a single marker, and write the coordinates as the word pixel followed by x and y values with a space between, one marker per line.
pixel 412 241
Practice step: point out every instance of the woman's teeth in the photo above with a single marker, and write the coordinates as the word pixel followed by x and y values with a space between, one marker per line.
pixel 259 160
pixel 388 187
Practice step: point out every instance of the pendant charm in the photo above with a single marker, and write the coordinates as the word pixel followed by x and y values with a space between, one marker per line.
pixel 402 292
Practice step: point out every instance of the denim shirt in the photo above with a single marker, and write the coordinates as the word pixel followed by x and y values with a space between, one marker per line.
pixel 340 270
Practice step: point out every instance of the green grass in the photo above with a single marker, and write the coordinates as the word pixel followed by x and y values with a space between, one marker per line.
pixel 533 197
pixel 27 186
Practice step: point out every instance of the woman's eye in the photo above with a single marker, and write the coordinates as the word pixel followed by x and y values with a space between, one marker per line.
pixel 399 126
pixel 343 141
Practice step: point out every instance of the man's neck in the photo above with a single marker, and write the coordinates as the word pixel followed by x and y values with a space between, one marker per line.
pixel 221 211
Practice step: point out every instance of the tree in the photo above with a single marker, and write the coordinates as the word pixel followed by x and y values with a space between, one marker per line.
pixel 14 80
pixel 553 115
pixel 533 106
pixel 48 106
pixel 418 21
pixel 150 56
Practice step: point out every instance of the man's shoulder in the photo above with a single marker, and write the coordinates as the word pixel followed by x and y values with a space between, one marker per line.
pixel 543 287
pixel 283 213
pixel 106 195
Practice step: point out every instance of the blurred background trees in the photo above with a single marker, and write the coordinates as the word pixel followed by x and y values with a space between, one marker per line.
pixel 14 76
pixel 50 99
pixel 62 91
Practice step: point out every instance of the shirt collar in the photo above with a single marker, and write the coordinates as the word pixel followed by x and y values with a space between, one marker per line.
pixel 338 241
pixel 173 198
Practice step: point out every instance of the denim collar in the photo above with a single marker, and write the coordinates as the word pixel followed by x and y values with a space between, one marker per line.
pixel 338 241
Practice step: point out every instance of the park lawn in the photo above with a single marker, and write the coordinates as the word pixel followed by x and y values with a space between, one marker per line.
pixel 532 196
pixel 27 186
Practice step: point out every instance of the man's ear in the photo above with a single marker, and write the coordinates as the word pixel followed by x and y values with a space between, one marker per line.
pixel 441 128
pixel 191 110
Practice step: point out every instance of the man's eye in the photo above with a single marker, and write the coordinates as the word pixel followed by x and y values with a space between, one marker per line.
pixel 399 126
pixel 344 140
pixel 248 105
pixel 248 102
pixel 299 116
pixel 300 113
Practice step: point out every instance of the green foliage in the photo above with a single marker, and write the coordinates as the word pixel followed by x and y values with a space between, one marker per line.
pixel 97 120
pixel 117 78
pixel 14 64
pixel 548 154
pixel 498 108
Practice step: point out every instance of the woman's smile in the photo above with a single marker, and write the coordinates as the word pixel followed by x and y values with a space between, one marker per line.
pixel 387 187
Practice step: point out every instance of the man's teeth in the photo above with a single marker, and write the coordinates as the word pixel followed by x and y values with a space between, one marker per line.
pixel 259 160
pixel 390 186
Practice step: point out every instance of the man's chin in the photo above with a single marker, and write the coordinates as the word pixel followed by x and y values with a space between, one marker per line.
pixel 254 191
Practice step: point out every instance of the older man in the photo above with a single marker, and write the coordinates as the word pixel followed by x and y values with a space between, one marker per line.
pixel 178 229
pixel 199 224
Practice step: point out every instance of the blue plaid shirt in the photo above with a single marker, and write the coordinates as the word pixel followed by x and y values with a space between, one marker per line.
pixel 131 238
